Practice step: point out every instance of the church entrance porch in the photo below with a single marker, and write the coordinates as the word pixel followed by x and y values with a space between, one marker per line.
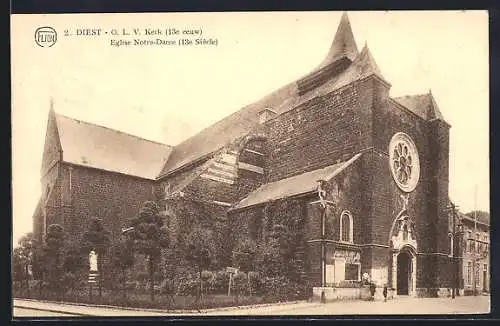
pixel 404 271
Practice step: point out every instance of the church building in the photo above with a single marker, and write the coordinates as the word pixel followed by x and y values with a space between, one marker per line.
pixel 366 174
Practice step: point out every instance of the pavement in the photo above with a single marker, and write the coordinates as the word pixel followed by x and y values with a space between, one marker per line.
pixel 398 306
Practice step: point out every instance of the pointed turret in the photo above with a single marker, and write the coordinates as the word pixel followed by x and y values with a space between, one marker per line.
pixel 434 112
pixel 367 63
pixel 343 44
pixel 364 65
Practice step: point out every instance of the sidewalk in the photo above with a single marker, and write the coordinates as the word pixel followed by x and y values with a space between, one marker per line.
pixel 104 310
pixel 399 306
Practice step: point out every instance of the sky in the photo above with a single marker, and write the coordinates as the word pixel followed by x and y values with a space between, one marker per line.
pixel 167 94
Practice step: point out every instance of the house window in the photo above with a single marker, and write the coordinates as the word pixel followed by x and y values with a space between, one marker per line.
pixel 469 273
pixel 478 245
pixel 405 232
pixel 346 227
pixel 469 241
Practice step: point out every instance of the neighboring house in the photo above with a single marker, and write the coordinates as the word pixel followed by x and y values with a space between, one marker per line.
pixel 476 253
pixel 383 163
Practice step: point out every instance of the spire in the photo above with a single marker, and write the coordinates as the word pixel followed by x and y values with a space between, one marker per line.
pixel 343 44
pixel 367 63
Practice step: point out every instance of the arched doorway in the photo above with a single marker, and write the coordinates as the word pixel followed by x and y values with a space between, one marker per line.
pixel 403 273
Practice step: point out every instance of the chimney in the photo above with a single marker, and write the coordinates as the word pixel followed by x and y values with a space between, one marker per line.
pixel 266 115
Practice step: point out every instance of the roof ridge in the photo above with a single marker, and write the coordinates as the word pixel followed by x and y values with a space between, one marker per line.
pixel 412 95
pixel 111 129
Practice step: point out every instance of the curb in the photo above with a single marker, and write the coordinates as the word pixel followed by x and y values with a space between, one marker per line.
pixel 179 311
pixel 77 314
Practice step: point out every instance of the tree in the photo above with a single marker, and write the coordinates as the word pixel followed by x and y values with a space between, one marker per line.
pixel 200 252
pixel 149 236
pixel 96 239
pixel 23 259
pixel 53 254
pixel 39 266
pixel 122 259
pixel 75 267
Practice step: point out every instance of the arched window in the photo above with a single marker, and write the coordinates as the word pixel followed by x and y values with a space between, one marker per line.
pixel 346 227
pixel 450 245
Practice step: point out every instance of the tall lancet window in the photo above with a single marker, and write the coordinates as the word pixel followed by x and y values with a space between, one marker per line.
pixel 346 227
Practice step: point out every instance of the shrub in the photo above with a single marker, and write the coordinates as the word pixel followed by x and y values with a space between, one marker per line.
pixel 349 284
pixel 219 283
pixel 275 287
pixel 240 284
pixel 280 288
pixel 187 285
pixel 255 286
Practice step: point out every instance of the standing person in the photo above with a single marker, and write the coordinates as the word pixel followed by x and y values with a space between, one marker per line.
pixel 372 290
pixel 366 278
pixel 385 292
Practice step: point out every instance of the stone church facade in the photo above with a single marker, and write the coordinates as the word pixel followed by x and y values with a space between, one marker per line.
pixel 367 174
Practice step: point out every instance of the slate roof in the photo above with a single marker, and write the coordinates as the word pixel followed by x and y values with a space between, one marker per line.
pixel 480 218
pixel 424 105
pixel 99 147
pixel 295 185
pixel 284 99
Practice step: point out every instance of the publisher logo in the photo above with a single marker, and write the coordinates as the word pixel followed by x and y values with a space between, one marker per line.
pixel 45 36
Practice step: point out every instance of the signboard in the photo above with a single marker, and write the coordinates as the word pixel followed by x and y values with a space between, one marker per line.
pixel 232 271
pixel 351 257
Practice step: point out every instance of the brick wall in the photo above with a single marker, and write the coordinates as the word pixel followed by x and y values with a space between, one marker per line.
pixel 389 118
pixel 426 202
pixel 111 196
pixel 321 131
pixel 439 179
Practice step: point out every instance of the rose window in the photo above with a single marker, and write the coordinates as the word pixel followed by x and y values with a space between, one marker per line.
pixel 404 162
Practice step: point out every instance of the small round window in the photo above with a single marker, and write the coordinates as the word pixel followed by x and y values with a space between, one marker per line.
pixel 404 162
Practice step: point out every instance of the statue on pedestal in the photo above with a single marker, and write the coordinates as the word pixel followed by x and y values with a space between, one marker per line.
pixel 93 261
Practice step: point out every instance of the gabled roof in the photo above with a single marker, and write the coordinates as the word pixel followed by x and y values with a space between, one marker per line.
pixel 102 148
pixel 424 105
pixel 282 100
pixel 480 218
pixel 292 186
pixel 343 44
